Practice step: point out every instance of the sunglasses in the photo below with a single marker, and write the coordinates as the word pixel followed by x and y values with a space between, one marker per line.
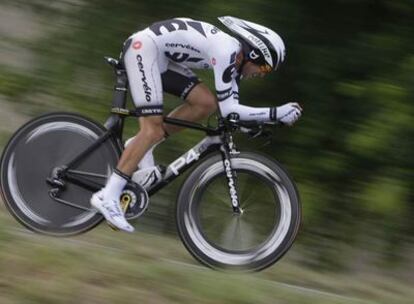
pixel 265 68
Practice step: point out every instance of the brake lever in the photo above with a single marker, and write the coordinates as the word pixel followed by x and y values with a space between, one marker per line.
pixel 259 133
pixel 256 133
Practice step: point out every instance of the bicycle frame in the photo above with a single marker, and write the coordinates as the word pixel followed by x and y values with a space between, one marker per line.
pixel 217 139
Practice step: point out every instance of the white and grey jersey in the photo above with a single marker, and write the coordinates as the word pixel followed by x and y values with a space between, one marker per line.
pixel 189 44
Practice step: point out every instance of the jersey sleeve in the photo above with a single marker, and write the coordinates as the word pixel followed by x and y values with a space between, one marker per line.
pixel 226 81
pixel 224 66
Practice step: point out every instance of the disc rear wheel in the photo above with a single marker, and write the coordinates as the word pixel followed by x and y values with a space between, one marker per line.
pixel 34 152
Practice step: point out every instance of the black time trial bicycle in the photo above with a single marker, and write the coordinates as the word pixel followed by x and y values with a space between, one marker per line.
pixel 236 210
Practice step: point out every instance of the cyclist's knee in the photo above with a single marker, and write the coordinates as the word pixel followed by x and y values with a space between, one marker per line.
pixel 202 100
pixel 210 104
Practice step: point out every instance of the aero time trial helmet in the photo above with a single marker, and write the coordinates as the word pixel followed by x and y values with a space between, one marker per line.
pixel 261 44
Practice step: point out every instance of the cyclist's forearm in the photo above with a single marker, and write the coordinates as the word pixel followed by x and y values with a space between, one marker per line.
pixel 248 113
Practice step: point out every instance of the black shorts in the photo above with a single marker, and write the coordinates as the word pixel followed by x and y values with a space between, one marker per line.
pixel 179 82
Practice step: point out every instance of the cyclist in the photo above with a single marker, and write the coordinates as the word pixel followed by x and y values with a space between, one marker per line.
pixel 159 59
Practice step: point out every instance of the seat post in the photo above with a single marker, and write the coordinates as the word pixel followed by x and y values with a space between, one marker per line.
pixel 120 89
pixel 119 99
pixel 121 86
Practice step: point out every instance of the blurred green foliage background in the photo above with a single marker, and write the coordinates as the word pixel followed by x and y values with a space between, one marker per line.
pixel 349 63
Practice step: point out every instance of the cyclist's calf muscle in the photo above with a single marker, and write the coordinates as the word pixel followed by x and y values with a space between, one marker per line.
pixel 151 132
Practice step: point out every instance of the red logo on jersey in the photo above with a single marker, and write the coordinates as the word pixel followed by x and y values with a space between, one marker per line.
pixel 137 45
pixel 213 61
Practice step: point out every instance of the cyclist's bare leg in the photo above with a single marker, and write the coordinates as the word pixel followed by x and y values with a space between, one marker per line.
pixel 199 104
pixel 106 201
pixel 151 132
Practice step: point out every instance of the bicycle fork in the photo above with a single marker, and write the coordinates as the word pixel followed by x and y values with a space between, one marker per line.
pixel 228 149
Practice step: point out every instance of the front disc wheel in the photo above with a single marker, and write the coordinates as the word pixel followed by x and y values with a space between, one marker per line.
pixel 256 237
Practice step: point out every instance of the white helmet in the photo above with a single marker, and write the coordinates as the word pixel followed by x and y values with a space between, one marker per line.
pixel 265 46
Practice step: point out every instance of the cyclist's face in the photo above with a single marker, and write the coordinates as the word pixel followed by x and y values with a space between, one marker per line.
pixel 251 70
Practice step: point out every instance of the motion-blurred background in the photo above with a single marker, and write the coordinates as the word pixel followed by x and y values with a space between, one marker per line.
pixel 349 63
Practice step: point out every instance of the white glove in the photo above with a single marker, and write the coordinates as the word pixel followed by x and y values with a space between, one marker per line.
pixel 289 113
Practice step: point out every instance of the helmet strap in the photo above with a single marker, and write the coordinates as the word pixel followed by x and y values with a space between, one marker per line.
pixel 240 59
pixel 243 56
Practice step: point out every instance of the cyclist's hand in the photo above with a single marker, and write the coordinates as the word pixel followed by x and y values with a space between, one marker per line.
pixel 289 113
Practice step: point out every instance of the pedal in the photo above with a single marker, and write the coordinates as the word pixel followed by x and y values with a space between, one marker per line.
pixel 125 200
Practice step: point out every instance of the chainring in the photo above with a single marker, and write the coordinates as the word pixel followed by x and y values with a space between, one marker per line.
pixel 134 200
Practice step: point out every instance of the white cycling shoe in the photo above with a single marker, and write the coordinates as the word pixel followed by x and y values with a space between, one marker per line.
pixel 111 210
